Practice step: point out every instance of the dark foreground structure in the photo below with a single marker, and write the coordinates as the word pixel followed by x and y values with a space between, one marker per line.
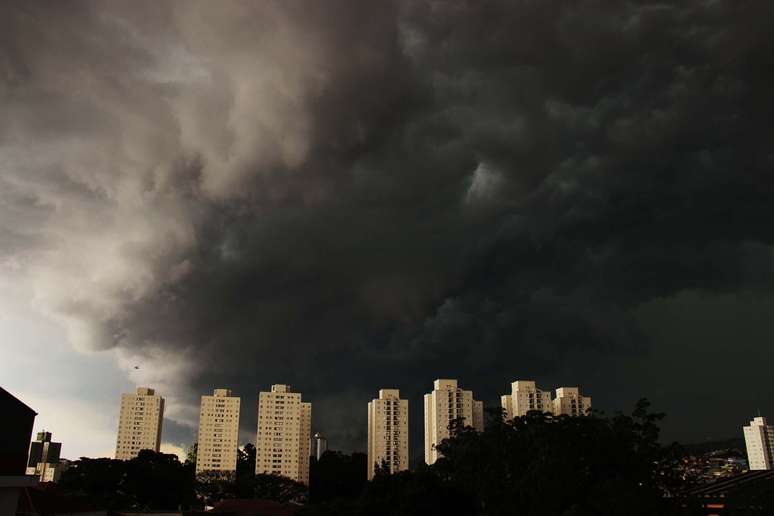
pixel 749 493
pixel 15 433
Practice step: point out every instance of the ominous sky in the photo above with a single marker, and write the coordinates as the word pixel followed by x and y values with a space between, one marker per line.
pixel 346 196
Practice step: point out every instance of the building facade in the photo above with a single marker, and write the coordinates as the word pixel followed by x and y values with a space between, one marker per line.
pixel 218 440
pixel 388 432
pixel 43 458
pixel 570 402
pixel 759 440
pixel 139 423
pixel 525 396
pixel 443 405
pixel 15 433
pixel 282 445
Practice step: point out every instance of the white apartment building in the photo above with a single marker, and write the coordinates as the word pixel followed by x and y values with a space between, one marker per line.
pixel 217 444
pixel 525 396
pixel 388 432
pixel 284 433
pixel 759 439
pixel 570 402
pixel 446 403
pixel 139 423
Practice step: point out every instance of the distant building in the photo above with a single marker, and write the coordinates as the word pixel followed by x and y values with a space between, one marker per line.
pixel 319 445
pixel 218 432
pixel 759 439
pixel 444 404
pixel 524 397
pixel 139 423
pixel 284 429
pixel 570 402
pixel 43 459
pixel 15 433
pixel 388 432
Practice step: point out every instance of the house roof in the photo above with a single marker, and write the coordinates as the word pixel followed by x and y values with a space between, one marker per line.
pixel 49 499
pixel 255 507
pixel 723 486
pixel 7 397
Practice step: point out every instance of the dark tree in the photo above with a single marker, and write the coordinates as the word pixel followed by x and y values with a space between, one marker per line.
pixel 151 481
pixel 337 475
pixel 277 488
pixel 534 465
pixel 191 453
pixel 564 465
pixel 245 469
pixel 214 486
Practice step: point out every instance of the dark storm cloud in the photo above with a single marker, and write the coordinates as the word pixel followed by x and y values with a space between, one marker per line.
pixel 346 196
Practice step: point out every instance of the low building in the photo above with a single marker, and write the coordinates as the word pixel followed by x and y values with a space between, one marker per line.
pixel 44 458
pixel 15 433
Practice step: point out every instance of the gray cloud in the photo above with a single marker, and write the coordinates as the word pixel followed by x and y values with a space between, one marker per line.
pixel 346 196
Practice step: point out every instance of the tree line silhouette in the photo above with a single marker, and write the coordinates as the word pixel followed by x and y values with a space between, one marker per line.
pixel 537 464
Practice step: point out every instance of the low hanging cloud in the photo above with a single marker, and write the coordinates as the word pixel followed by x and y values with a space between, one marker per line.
pixel 346 196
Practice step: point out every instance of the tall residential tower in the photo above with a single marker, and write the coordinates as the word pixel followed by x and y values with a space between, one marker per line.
pixel 388 432
pixel 216 448
pixel 759 438
pixel 570 402
pixel 525 396
pixel 139 424
pixel 284 428
pixel 446 403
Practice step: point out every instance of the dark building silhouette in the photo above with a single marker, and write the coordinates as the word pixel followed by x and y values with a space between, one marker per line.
pixel 15 433
pixel 43 450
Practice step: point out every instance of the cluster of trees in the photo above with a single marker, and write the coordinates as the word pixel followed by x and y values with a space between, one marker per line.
pixel 157 481
pixel 532 465
pixel 151 481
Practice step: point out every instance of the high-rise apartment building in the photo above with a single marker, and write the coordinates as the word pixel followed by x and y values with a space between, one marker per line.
pixel 43 459
pixel 446 403
pixel 759 439
pixel 284 428
pixel 388 432
pixel 570 402
pixel 216 448
pixel 139 423
pixel 525 396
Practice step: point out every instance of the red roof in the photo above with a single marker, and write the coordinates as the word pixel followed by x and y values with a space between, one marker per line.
pixel 257 507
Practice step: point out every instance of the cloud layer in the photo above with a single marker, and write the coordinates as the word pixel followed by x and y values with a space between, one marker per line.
pixel 347 195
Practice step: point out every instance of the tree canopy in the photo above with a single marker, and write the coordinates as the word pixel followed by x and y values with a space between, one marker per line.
pixel 151 481
pixel 534 465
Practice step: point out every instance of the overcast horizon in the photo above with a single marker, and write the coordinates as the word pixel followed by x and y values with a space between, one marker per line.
pixel 346 196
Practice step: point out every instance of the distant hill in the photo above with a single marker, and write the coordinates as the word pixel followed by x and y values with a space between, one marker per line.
pixel 710 446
